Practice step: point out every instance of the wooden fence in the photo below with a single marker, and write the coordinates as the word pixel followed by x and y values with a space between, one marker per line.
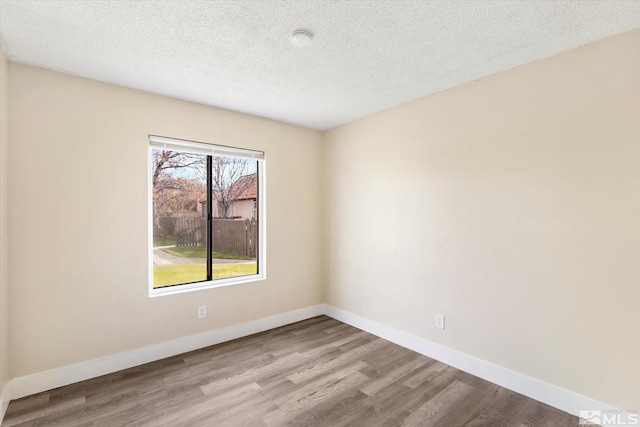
pixel 235 236
pixel 229 235
pixel 189 231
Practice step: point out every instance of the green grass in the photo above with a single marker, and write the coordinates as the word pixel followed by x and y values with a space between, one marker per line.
pixel 184 273
pixel 163 241
pixel 187 251
pixel 200 252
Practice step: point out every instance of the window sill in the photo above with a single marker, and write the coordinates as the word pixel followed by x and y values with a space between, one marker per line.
pixel 180 289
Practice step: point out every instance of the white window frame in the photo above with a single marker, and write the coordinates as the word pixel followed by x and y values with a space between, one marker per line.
pixel 165 143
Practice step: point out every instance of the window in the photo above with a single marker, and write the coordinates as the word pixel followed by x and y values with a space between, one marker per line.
pixel 206 215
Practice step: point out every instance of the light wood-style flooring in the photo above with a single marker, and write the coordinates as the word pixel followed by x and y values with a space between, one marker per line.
pixel 318 372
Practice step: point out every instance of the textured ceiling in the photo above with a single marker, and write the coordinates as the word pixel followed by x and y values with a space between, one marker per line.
pixel 366 56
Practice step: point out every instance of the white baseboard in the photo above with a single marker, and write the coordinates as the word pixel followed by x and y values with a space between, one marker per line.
pixel 541 391
pixel 5 397
pixel 47 380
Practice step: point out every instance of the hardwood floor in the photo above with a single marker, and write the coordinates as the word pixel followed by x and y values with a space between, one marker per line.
pixel 319 372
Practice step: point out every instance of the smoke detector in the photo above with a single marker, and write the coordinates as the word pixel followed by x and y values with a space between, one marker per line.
pixel 301 38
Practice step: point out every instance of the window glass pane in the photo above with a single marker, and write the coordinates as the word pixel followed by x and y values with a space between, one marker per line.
pixel 234 185
pixel 179 220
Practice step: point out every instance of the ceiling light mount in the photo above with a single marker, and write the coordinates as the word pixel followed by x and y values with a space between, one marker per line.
pixel 301 38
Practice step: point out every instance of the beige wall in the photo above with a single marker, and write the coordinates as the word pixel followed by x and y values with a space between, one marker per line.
pixel 512 206
pixel 78 213
pixel 4 287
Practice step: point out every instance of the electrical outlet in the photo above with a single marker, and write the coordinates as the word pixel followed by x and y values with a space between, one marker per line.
pixel 202 312
pixel 440 321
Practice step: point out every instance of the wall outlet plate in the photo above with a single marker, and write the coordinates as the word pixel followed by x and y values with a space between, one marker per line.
pixel 440 321
pixel 202 312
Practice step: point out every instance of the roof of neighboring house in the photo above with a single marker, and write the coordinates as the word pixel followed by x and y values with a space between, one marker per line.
pixel 245 187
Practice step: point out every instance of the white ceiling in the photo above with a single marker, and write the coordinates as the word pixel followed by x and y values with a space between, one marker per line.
pixel 366 56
